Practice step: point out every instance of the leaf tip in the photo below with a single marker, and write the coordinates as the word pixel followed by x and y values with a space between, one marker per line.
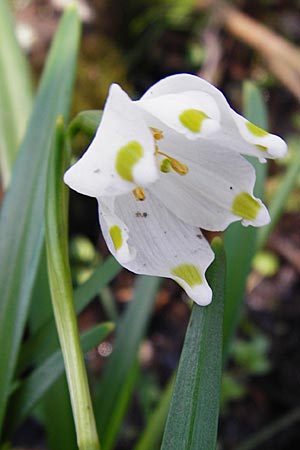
pixel 72 7
pixel 60 121
pixel 217 243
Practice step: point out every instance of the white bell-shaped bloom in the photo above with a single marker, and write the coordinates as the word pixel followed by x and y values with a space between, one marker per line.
pixel 167 165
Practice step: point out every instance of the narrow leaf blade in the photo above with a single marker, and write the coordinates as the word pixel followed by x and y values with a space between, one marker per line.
pixel 15 93
pixel 44 340
pixel 42 378
pixel 22 216
pixel 116 384
pixel 152 434
pixel 279 200
pixel 240 241
pixel 193 415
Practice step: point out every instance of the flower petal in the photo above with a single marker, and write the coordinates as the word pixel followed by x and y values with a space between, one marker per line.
pixel 233 127
pixel 121 155
pixel 163 245
pixel 267 145
pixel 192 113
pixel 117 233
pixel 206 195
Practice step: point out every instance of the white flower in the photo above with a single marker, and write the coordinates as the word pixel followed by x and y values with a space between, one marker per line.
pixel 167 165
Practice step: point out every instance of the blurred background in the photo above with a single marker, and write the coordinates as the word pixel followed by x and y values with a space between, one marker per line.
pixel 135 43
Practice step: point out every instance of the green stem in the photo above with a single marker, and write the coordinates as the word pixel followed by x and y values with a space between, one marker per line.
pixel 62 296
pixel 86 122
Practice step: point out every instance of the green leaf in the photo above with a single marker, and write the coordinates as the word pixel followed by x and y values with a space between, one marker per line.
pixel 22 216
pixel 279 200
pixel 44 340
pixel 254 107
pixel 193 417
pixel 32 389
pixel 116 384
pixel 86 122
pixel 40 306
pixel 152 434
pixel 101 276
pixel 239 241
pixel 54 409
pixel 15 93
pixel 57 419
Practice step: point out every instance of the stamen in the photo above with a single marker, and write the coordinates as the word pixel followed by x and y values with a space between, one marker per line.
pixel 165 165
pixel 156 133
pixel 139 193
pixel 176 165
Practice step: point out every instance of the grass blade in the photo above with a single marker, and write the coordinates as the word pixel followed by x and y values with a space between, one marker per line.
pixel 15 93
pixel 54 408
pixel 193 416
pixel 101 276
pixel 240 241
pixel 42 378
pixel 56 411
pixel 152 435
pixel 116 384
pixel 22 215
pixel 44 340
pixel 279 200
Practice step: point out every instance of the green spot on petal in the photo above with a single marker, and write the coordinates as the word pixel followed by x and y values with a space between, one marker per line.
pixel 257 131
pixel 192 119
pixel 245 206
pixel 189 273
pixel 262 148
pixel 116 236
pixel 165 165
pixel 127 157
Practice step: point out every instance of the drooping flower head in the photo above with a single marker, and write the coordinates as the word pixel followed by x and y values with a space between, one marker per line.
pixel 166 166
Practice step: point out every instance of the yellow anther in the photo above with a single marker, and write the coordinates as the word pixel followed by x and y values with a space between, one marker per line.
pixel 139 193
pixel 156 133
pixel 178 166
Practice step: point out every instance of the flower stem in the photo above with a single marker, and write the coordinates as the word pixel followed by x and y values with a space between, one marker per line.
pixel 62 295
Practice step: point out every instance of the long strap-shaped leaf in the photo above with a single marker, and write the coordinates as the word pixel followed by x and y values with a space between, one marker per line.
pixel 116 385
pixel 193 416
pixel 22 218
pixel 151 436
pixel 240 241
pixel 32 389
pixel 15 93
pixel 279 199
pixel 44 341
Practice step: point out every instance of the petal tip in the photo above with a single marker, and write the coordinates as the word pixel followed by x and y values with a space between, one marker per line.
pixel 262 218
pixel 69 178
pixel 202 295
